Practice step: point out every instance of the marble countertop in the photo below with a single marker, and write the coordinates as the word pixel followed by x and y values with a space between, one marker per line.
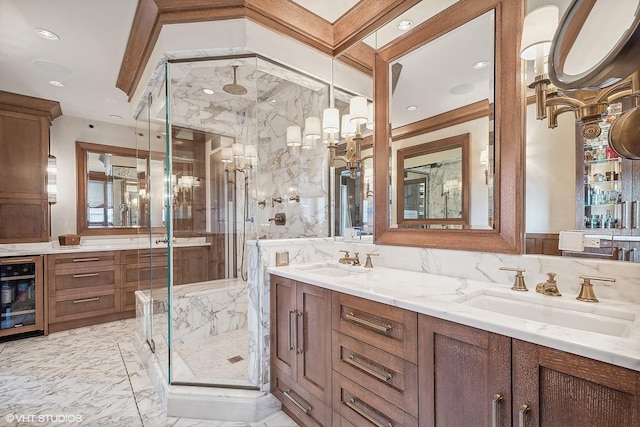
pixel 449 298
pixel 93 245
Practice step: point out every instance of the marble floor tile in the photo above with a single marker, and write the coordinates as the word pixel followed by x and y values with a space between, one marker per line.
pixel 93 373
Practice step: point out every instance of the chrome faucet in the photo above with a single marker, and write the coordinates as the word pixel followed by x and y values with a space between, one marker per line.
pixel 346 259
pixel 550 287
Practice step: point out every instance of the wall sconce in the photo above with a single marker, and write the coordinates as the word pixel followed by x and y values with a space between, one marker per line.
pixel 359 114
pixel 239 157
pixel 52 179
pixel 537 36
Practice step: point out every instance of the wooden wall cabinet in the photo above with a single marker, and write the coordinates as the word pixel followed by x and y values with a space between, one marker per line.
pixel 301 350
pixel 24 152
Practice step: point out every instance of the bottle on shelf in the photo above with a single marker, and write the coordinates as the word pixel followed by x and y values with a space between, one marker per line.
pixel 6 293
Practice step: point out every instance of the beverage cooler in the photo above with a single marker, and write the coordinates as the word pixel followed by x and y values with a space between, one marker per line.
pixel 21 295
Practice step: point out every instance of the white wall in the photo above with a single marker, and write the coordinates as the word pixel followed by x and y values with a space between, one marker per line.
pixel 66 130
pixel 550 174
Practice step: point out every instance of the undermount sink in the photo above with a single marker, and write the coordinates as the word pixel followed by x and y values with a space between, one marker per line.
pixel 551 310
pixel 331 270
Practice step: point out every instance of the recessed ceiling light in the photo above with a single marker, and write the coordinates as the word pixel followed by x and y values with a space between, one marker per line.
pixel 412 108
pixel 480 65
pixel 115 117
pixel 405 24
pixel 46 34
pixel 56 83
pixel 273 100
pixel 208 91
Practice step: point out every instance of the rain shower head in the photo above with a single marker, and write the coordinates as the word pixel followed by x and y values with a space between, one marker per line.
pixel 234 88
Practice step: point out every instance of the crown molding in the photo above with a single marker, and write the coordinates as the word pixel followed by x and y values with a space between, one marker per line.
pixel 282 16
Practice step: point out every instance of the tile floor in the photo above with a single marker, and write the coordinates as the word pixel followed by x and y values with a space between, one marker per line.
pixel 91 373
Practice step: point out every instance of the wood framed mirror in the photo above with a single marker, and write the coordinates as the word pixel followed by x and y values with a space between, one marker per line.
pixel 112 196
pixel 504 230
pixel 433 184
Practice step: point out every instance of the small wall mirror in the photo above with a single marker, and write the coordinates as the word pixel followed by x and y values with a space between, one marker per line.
pixel 433 186
pixel 113 188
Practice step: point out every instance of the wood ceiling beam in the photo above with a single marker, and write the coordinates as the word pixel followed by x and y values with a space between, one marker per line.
pixel 282 16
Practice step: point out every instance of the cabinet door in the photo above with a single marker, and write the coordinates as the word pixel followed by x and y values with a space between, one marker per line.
pixel 23 163
pixel 461 369
pixel 190 265
pixel 565 390
pixel 283 321
pixel 313 346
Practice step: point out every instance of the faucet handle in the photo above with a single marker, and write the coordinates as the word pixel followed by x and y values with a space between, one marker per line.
pixel 368 263
pixel 586 288
pixel 346 253
pixel 518 284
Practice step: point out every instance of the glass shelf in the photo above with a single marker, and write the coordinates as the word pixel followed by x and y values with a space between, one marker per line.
pixel 602 204
pixel 602 161
pixel 617 181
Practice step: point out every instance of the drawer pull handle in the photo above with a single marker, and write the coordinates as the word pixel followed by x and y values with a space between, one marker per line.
pixel 497 398
pixel 382 377
pixel 291 346
pixel 77 276
pixel 16 260
pixel 352 404
pixel 295 402
pixel 372 325
pixel 86 259
pixel 78 301
pixel 524 408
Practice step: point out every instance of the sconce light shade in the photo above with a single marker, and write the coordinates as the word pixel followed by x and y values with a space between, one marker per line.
pixel 358 110
pixel 348 127
pixel 312 128
pixel 538 30
pixel 370 116
pixel 294 138
pixel 226 155
pixel 238 150
pixel 331 120
pixel 250 152
pixel 52 179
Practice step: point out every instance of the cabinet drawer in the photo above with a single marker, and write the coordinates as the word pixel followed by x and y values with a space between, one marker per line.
pixel 82 279
pixel 361 407
pixel 143 275
pixel 302 406
pixel 145 256
pixel 389 328
pixel 85 306
pixel 83 260
pixel 388 376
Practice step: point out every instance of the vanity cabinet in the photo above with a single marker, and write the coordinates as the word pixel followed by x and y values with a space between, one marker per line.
pixel 465 375
pixel 139 268
pixel 84 288
pixel 554 388
pixel 375 376
pixel 24 152
pixel 301 350
pixel 190 264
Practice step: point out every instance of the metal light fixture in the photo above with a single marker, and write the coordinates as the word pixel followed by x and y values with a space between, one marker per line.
pixel 359 115
pixel 537 36
pixel 239 157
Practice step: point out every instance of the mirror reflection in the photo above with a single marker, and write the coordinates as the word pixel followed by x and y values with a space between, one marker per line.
pixel 436 95
pixel 113 189
pixel 432 187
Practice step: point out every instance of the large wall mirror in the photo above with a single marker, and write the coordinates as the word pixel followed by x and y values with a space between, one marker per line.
pixel 455 74
pixel 113 186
